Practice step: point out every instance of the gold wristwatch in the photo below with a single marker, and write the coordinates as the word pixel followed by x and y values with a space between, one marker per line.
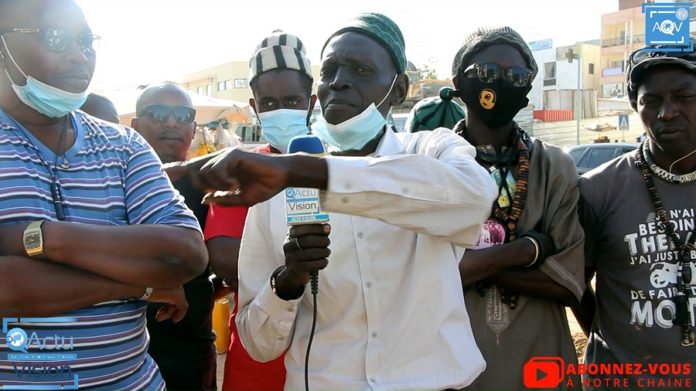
pixel 33 239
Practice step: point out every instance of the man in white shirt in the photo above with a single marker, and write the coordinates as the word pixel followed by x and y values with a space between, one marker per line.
pixel 391 312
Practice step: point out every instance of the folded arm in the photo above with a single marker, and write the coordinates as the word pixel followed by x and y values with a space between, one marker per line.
pixel 155 255
pixel 40 288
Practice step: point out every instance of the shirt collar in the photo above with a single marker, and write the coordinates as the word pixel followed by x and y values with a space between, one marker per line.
pixel 389 144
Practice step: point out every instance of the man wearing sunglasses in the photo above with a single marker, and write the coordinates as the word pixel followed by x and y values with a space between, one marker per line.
pixel 391 314
pixel 639 220
pixel 184 351
pixel 527 263
pixel 88 220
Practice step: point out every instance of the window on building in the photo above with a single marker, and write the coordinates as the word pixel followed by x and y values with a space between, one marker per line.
pixel 228 84
pixel 209 89
pixel 240 83
pixel 221 86
pixel 550 74
pixel 590 69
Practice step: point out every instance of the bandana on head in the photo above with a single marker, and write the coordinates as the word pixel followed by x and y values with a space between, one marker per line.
pixel 279 51
pixel 435 112
pixel 381 29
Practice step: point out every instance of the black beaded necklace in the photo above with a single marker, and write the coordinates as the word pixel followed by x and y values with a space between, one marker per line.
pixel 56 194
pixel 681 300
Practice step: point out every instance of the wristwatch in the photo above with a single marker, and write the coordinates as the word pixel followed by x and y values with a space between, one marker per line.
pixel 33 239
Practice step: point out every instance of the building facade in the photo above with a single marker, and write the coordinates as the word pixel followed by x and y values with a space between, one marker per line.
pixel 226 81
pixel 555 89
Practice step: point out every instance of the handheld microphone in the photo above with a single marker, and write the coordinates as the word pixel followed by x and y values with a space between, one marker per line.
pixel 302 207
pixel 302 204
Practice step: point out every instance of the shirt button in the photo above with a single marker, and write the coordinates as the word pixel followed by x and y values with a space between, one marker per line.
pixel 373 380
pixel 405 190
pixel 368 284
pixel 360 235
pixel 374 335
pixel 290 309
pixel 344 200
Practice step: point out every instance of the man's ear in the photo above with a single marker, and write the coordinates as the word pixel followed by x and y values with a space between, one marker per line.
pixel 310 109
pixel 252 103
pixel 400 90
pixel 135 124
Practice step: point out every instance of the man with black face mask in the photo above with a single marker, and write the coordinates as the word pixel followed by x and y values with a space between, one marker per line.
pixel 528 262
pixel 390 315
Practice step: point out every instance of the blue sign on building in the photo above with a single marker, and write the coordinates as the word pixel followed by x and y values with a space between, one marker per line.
pixel 667 26
pixel 540 44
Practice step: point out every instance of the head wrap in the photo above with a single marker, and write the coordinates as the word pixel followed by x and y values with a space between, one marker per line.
pixel 279 51
pixel 381 29
pixel 484 37
pixel 642 61
pixel 435 112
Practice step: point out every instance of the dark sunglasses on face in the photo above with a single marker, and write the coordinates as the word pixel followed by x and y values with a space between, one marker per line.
pixel 161 113
pixel 490 72
pixel 646 53
pixel 58 41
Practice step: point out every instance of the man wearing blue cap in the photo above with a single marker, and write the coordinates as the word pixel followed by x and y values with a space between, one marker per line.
pixel 639 220
pixel 390 310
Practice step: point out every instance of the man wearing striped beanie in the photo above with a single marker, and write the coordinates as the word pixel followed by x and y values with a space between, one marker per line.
pixel 281 83
pixel 280 77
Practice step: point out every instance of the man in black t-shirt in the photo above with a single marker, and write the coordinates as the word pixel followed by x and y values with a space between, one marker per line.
pixel 184 351
pixel 639 219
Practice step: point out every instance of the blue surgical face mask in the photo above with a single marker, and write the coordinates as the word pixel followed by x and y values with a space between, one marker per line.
pixel 47 100
pixel 280 126
pixel 354 133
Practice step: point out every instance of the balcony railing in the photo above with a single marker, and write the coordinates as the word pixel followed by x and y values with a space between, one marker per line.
pixel 622 41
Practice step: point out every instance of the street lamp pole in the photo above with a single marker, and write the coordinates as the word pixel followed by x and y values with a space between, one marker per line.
pixel 576 56
pixel 578 101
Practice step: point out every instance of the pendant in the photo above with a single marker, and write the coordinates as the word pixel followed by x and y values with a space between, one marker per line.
pixel 64 164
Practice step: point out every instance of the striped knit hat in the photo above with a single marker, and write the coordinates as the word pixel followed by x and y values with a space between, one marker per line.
pixel 279 51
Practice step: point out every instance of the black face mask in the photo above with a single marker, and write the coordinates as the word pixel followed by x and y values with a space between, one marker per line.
pixel 496 104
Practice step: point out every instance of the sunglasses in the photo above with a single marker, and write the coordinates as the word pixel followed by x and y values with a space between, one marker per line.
pixel 59 41
pixel 647 53
pixel 490 72
pixel 161 113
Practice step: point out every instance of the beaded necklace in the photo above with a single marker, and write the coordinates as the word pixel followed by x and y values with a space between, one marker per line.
pixel 510 215
pixel 664 174
pixel 56 194
pixel 681 299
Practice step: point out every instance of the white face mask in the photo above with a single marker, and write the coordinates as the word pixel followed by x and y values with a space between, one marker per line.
pixel 46 99
pixel 354 133
pixel 282 125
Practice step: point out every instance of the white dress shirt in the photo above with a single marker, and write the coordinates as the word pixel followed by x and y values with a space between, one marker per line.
pixel 391 312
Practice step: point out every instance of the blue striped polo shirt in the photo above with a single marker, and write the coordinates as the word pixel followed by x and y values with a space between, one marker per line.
pixel 111 176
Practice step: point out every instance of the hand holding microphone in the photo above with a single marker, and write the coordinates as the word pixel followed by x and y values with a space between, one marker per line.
pixel 306 246
pixel 306 251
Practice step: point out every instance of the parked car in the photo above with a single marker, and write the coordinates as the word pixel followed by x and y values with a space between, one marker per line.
pixel 589 156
